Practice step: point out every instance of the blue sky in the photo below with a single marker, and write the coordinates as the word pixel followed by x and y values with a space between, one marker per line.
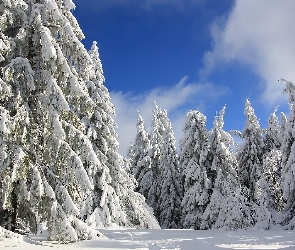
pixel 191 54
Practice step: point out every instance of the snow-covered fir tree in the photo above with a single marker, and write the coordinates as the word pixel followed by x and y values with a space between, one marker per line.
pixel 250 156
pixel 140 160
pixel 283 125
pixel 155 166
pixel 44 177
pixel 170 191
pixel 271 200
pixel 113 198
pixel 59 151
pixel 288 159
pixel 194 163
pixel 227 208
pixel 272 138
pixel 156 142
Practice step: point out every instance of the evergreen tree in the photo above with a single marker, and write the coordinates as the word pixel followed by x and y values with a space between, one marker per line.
pixel 113 199
pixel 44 177
pixel 284 121
pixel 288 160
pixel 156 142
pixel 140 161
pixel 227 207
pixel 194 161
pixel 250 155
pixel 272 139
pixel 155 167
pixel 59 152
pixel 169 185
pixel 271 202
pixel 271 199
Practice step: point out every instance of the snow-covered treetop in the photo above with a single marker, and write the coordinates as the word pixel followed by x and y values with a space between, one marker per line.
pixel 218 124
pixel 252 120
pixel 218 121
pixel 273 132
pixel 94 55
pixel 289 89
pixel 221 143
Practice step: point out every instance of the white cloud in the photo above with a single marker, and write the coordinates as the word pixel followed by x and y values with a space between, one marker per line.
pixel 260 34
pixel 175 100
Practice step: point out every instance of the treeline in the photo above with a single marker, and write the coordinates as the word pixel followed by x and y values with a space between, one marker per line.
pixel 210 185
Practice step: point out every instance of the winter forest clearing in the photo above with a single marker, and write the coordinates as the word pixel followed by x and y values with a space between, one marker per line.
pixel 173 239
pixel 61 172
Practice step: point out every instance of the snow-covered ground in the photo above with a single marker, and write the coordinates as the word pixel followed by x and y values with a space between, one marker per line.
pixel 165 239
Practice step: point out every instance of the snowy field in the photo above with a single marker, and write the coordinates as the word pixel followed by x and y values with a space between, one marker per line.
pixel 165 239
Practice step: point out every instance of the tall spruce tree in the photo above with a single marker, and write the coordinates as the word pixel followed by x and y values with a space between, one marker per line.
pixel 44 177
pixel 194 163
pixel 250 155
pixel 227 208
pixel 155 166
pixel 170 191
pixel 272 138
pixel 59 151
pixel 288 159
pixel 271 201
pixel 156 142
pixel 114 200
pixel 271 198
pixel 140 160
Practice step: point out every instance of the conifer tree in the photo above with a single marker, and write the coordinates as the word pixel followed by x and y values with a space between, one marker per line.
pixel 250 154
pixel 271 201
pixel 284 121
pixel 59 152
pixel 227 208
pixel 194 160
pixel 272 139
pixel 288 159
pixel 169 186
pixel 271 198
pixel 155 166
pixel 140 160
pixel 44 177
pixel 113 199
pixel 156 142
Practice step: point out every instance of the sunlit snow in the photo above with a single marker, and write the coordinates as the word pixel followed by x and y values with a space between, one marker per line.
pixel 116 238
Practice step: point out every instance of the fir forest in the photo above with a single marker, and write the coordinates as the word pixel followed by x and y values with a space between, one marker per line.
pixel 60 167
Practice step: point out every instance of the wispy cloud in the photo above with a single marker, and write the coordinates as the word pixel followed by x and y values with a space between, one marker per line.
pixel 175 99
pixel 260 34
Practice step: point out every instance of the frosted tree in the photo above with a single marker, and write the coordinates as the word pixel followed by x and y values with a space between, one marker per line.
pixel 284 121
pixel 288 159
pixel 272 139
pixel 156 142
pixel 140 160
pixel 114 198
pixel 227 208
pixel 53 166
pixel 250 155
pixel 154 159
pixel 170 191
pixel 194 160
pixel 271 201
pixel 44 177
